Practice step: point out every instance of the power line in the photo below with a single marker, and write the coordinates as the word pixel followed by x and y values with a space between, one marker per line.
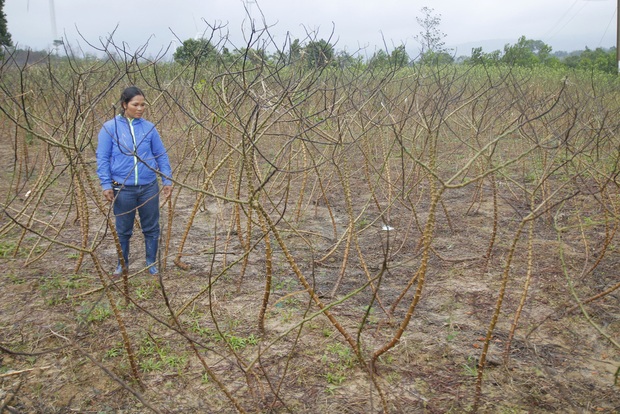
pixel 548 35
pixel 607 28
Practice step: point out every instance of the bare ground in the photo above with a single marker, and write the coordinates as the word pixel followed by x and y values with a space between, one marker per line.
pixel 62 350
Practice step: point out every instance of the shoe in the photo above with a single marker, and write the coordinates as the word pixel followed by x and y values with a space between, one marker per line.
pixel 153 270
pixel 117 274
pixel 151 246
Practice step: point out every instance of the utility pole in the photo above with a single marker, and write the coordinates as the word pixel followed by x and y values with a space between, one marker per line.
pixel 56 41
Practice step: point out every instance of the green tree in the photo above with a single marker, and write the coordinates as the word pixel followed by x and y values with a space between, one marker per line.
pixel 437 58
pixel 346 60
pixel 379 59
pixel 319 54
pixel 254 56
pixel 5 36
pixel 527 53
pixel 598 59
pixel 194 50
pixel 399 57
pixel 294 51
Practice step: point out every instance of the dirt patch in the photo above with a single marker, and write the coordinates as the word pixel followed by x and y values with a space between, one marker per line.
pixel 67 344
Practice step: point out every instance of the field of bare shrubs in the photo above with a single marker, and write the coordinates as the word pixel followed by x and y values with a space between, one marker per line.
pixel 426 240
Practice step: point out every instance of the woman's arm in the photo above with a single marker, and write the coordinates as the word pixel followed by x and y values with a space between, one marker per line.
pixel 104 154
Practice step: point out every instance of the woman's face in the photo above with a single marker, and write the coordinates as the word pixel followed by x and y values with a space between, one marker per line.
pixel 135 107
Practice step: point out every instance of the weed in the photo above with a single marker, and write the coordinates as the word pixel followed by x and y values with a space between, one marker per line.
pixel 470 368
pixel 252 340
pixel 344 354
pixel 387 359
pixel 335 378
pixel 144 293
pixel 287 315
pixel 174 361
pixel 236 343
pixel 393 377
pixel 287 285
pixel 100 313
pixel 331 389
pixel 151 364
pixel 196 328
pixel 13 278
pixel 7 248
pixel 362 223
pixel 344 360
pixel 147 347
pixel 114 352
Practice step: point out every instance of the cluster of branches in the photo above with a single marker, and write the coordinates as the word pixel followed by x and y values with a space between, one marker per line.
pixel 273 141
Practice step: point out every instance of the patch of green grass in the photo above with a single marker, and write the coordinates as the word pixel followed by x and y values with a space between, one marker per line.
pixel 196 327
pixel 16 280
pixel 145 292
pixel 56 282
pixel 96 313
pixel 114 352
pixel 362 223
pixel 343 353
pixel 287 285
pixel 470 368
pixel 7 248
pixel 100 313
pixel 151 364
pixel 237 343
pixel 335 378
pixel 339 358
pixel 158 356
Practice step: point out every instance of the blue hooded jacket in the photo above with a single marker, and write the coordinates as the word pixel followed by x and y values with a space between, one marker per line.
pixel 131 152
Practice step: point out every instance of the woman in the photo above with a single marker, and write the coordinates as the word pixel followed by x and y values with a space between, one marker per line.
pixel 130 156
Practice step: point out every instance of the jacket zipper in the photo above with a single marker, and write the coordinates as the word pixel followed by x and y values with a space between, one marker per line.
pixel 135 152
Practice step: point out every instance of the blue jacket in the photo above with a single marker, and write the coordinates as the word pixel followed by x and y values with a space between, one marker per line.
pixel 117 160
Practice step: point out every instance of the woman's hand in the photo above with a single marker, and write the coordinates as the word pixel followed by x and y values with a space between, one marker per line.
pixel 108 195
pixel 167 191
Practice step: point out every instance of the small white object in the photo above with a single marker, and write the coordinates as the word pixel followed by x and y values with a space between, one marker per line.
pixel 27 193
pixel 387 228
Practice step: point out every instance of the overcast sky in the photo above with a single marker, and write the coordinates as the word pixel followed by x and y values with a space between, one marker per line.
pixel 368 24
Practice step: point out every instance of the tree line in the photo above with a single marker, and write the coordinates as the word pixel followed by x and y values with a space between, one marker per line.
pixel 320 53
pixel 526 53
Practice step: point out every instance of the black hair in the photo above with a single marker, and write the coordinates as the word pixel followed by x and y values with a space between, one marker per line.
pixel 128 94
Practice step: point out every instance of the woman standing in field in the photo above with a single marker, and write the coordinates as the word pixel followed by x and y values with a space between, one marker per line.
pixel 130 156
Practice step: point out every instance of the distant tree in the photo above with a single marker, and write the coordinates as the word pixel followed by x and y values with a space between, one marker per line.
pixel 5 36
pixel 226 57
pixel 255 56
pixel 346 60
pixel 598 59
pixel 527 53
pixel 379 59
pixel 399 57
pixel 295 51
pixel 430 38
pixel 319 54
pixel 433 48
pixel 199 51
pixel 478 57
pixel 437 58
